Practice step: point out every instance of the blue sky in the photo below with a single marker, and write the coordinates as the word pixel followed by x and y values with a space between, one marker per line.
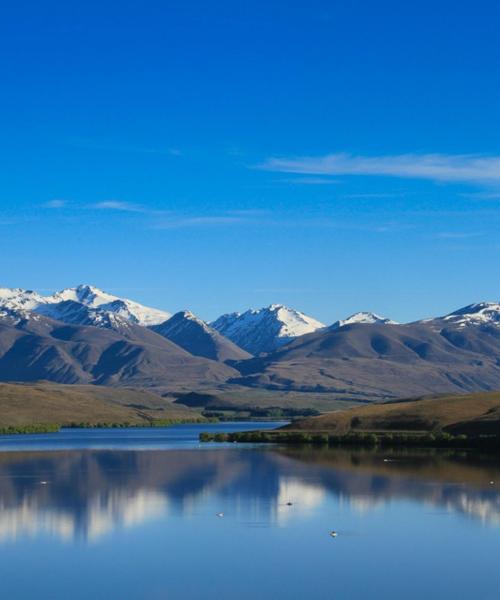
pixel 331 155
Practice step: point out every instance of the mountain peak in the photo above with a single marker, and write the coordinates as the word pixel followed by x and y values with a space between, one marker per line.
pixel 84 295
pixel 265 329
pixel 479 313
pixel 363 318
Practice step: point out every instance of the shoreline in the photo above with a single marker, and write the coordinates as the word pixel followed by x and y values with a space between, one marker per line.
pixel 367 439
pixel 56 427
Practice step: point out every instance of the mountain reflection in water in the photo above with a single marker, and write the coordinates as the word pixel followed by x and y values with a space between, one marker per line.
pixel 85 495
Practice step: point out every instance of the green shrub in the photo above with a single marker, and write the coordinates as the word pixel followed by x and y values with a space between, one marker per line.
pixel 34 428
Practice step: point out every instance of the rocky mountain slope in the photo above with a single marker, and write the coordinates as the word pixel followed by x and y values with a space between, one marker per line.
pixel 196 337
pixel 34 347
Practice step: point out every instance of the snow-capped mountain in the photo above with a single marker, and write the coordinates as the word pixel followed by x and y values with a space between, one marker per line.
pixel 126 309
pixel 481 313
pixel 265 329
pixel 75 313
pixel 363 317
pixel 83 305
pixel 16 298
pixel 194 335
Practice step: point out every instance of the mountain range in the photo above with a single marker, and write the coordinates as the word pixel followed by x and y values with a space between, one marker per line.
pixel 83 335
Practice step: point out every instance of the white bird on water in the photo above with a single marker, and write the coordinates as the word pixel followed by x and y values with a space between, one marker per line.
pixel 221 514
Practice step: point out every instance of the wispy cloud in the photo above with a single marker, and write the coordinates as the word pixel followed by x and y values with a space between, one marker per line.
pixel 106 146
pixel 436 167
pixel 119 206
pixel 309 181
pixel 248 212
pixel 283 291
pixel 55 204
pixel 197 221
pixel 372 196
pixel 482 195
pixel 457 235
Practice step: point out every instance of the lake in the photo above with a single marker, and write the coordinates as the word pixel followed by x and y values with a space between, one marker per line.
pixel 142 514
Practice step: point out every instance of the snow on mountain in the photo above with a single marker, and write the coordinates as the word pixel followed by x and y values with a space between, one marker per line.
pixel 75 313
pixel 363 317
pixel 16 298
pixel 265 329
pixel 481 313
pixel 84 294
pixel 83 305
pixel 16 315
pixel 95 298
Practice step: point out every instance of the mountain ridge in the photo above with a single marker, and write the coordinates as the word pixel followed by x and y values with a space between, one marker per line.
pixel 365 357
pixel 85 295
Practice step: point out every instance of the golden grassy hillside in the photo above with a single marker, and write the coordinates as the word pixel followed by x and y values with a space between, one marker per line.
pixel 477 413
pixel 65 404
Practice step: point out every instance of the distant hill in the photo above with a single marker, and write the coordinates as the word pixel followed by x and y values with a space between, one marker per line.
pixel 473 414
pixel 382 361
pixel 65 404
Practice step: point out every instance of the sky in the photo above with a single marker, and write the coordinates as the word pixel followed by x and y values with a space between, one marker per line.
pixel 334 156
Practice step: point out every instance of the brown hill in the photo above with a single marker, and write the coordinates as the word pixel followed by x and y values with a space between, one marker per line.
pixel 65 404
pixel 381 361
pixel 470 414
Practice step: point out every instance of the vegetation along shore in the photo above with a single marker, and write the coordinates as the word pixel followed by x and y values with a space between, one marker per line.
pixel 471 420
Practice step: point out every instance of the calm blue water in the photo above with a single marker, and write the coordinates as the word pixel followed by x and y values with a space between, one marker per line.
pixel 132 514
pixel 136 438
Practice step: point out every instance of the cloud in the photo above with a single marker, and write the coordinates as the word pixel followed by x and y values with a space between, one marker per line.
pixel 249 212
pixel 55 204
pixel 119 206
pixel 284 291
pixel 371 196
pixel 310 181
pixel 178 222
pixel 436 167
pixel 105 146
pixel 482 195
pixel 457 235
